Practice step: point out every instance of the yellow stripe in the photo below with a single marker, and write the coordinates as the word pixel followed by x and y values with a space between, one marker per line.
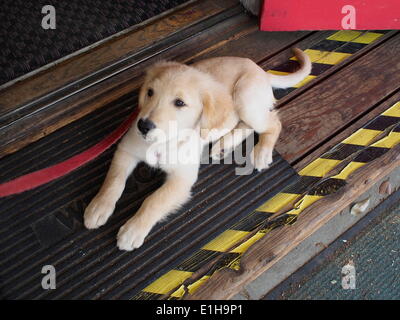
pixel 389 141
pixel 362 137
pixel 245 245
pixel 305 81
pixel 303 203
pixel 168 281
pixel 393 111
pixel 325 57
pixel 279 73
pixel 345 35
pixel 225 240
pixel 319 167
pixel 350 168
pixel 192 287
pixel 277 202
pixel 298 85
pixel 355 36
pixel 368 37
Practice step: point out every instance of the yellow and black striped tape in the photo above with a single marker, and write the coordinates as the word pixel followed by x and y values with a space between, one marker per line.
pixel 327 53
pixel 313 184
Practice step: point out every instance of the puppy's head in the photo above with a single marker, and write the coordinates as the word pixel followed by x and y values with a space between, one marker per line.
pixel 176 98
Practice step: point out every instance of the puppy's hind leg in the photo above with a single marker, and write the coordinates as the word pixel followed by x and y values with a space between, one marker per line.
pixel 230 141
pixel 262 152
pixel 254 98
pixel 103 204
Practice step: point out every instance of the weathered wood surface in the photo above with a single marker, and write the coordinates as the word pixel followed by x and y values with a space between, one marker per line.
pixel 109 52
pixel 345 132
pixel 271 248
pixel 332 104
pixel 284 56
pixel 210 42
pixel 258 46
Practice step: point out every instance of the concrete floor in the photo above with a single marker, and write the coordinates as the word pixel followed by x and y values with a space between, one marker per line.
pixel 375 256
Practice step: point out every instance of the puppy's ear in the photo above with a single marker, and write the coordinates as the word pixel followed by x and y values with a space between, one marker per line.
pixel 158 68
pixel 218 112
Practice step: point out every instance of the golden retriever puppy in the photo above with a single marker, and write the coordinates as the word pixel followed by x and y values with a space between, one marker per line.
pixel 182 109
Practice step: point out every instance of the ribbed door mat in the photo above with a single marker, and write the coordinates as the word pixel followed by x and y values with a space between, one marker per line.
pixel 26 46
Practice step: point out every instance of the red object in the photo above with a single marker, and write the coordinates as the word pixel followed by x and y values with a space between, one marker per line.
pixel 290 15
pixel 40 177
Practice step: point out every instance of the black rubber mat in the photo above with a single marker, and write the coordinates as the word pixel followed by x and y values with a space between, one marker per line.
pixel 26 46
pixel 44 226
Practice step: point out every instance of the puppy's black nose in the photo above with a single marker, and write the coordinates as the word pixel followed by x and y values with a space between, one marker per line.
pixel 145 126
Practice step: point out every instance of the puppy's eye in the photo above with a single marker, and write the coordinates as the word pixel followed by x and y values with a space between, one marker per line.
pixel 179 103
pixel 150 92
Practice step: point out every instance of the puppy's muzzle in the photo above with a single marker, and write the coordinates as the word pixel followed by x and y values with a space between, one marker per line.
pixel 145 126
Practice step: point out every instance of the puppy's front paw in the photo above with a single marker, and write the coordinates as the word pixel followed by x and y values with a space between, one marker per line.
pixel 131 235
pixel 261 157
pixel 97 213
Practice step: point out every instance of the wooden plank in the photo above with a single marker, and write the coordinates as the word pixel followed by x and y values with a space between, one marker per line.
pixel 271 248
pixel 307 43
pixel 342 133
pixel 337 101
pixel 256 46
pixel 59 113
pixel 88 62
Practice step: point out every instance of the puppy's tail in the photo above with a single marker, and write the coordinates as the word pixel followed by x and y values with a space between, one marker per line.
pixel 286 81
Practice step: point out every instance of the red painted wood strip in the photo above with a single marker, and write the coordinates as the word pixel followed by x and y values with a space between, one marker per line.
pixel 289 15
